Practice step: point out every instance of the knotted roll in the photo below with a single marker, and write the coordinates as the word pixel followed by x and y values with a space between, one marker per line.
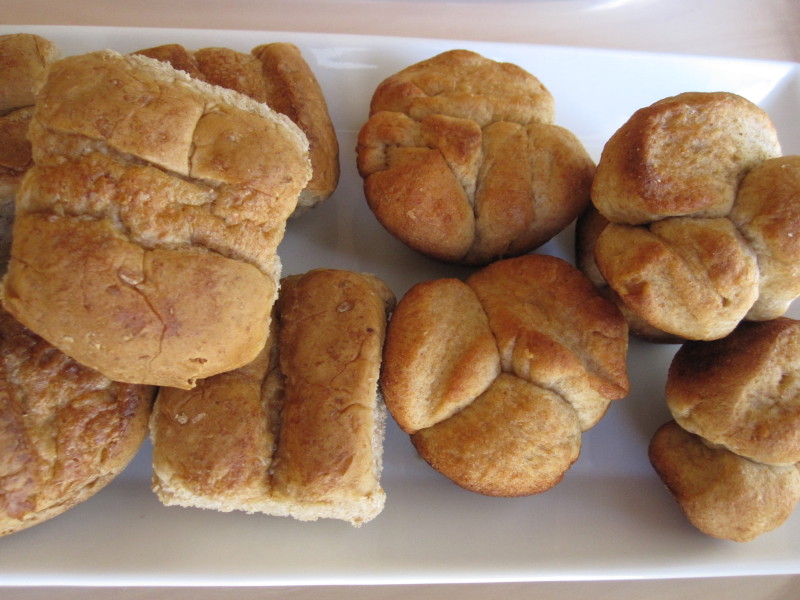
pixel 462 162
pixel 146 233
pixel 730 456
pixel 496 378
pixel 697 216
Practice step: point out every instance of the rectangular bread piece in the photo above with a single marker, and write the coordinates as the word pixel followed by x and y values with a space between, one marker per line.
pixel 299 431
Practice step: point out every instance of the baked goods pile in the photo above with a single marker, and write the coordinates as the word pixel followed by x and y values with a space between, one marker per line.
pixel 299 431
pixel 462 162
pixel 693 219
pixel 496 378
pixel 146 255
pixel 731 455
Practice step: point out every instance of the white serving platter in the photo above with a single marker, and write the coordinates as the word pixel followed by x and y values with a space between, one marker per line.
pixel 610 518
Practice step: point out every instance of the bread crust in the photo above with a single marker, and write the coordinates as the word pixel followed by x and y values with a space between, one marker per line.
pixel 299 431
pixel 722 494
pixel 65 430
pixel 176 209
pixel 278 75
pixel 462 162
pixel 495 378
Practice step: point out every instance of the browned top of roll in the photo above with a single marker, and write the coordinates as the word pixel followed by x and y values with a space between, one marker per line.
pixel 742 392
pixel 495 378
pixel 278 75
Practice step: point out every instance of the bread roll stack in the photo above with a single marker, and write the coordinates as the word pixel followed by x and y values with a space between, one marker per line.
pixel 730 457
pixel 299 431
pixel 145 236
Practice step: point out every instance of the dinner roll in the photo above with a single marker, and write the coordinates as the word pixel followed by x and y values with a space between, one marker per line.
pixel 721 493
pixel 699 212
pixel 462 162
pixel 496 377
pixel 730 455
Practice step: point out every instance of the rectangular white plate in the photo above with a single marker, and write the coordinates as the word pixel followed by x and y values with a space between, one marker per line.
pixel 609 519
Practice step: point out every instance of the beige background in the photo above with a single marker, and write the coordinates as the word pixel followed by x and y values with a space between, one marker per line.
pixel 764 29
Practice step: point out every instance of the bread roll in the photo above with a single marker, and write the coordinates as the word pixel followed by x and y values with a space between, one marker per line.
pixel 496 378
pixel 722 494
pixel 299 431
pixel 462 162
pixel 278 75
pixel 730 455
pixel 65 430
pixel 699 225
pixel 145 236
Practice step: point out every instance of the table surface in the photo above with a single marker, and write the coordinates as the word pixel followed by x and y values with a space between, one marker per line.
pixel 761 29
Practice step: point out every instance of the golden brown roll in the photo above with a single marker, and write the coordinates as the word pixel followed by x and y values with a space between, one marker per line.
pixel 462 162
pixel 721 493
pixel 699 217
pixel 146 233
pixel 495 378
pixel 299 431
pixel 278 75
pixel 65 430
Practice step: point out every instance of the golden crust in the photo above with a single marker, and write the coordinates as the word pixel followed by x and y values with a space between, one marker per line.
pixel 297 432
pixel 588 228
pixel 437 361
pixel 65 430
pixel 722 494
pixel 530 334
pixel 461 161
pixel 277 75
pixel 742 392
pixel 176 207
